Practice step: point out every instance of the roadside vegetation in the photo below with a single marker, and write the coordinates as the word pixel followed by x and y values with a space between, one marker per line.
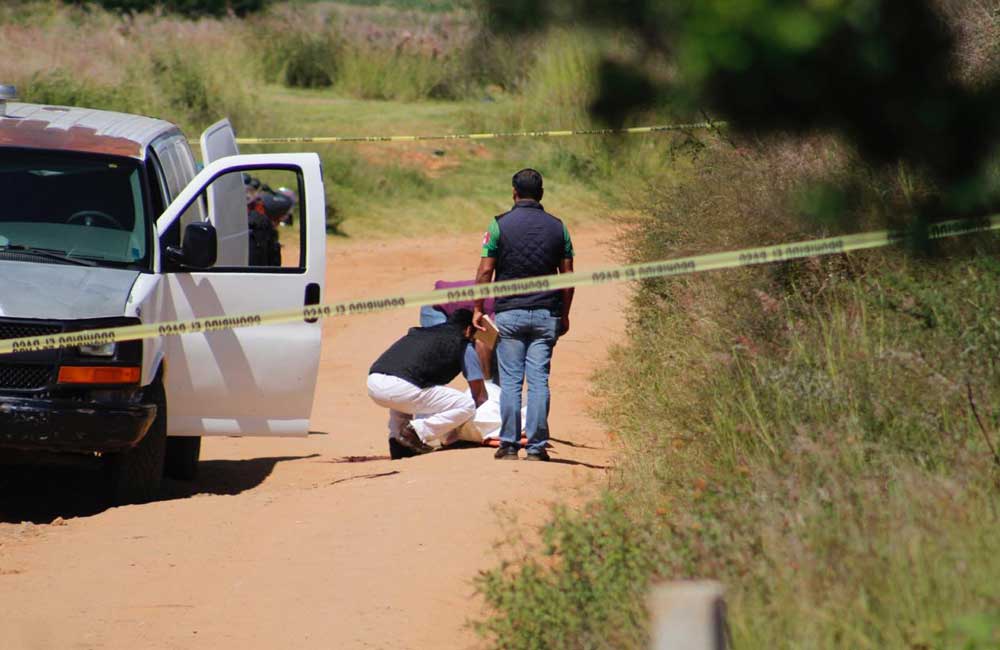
pixel 820 436
pixel 323 68
pixel 815 435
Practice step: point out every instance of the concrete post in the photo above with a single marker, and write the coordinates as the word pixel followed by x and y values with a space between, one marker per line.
pixel 687 616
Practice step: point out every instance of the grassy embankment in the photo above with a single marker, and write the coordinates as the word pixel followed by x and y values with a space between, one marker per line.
pixel 817 435
pixel 327 68
pixel 803 433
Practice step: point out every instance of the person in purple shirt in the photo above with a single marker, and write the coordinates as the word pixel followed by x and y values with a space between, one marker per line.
pixel 479 358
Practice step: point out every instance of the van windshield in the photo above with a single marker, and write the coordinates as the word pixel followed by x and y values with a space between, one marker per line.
pixel 78 205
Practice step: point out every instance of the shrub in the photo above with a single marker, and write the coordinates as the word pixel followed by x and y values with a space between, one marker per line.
pixel 60 88
pixel 334 218
pixel 193 8
pixel 374 73
pixel 585 591
pixel 182 84
pixel 176 84
pixel 311 63
pixel 295 48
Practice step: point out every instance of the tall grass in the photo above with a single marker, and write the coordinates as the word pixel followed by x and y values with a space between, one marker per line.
pixel 818 435
pixel 803 433
pixel 188 72
pixel 368 53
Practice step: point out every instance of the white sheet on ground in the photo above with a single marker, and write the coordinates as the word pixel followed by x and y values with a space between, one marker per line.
pixel 486 423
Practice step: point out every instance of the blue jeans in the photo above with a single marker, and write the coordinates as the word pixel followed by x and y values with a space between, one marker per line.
pixel 525 349
pixel 429 317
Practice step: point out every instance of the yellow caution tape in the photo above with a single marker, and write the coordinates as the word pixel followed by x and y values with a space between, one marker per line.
pixel 479 136
pixel 624 273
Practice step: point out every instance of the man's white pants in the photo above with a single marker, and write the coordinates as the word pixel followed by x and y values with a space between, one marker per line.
pixel 445 408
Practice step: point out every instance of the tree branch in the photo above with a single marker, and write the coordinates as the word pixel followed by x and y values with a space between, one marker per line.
pixel 982 427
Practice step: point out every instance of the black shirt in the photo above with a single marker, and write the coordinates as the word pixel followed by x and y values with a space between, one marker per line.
pixel 426 356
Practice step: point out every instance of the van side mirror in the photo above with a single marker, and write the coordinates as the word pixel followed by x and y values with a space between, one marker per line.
pixel 200 247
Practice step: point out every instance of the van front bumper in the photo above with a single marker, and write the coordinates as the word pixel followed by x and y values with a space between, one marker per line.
pixel 64 425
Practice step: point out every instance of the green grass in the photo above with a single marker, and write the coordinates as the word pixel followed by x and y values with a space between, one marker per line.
pixel 403 189
pixel 800 432
pixel 320 112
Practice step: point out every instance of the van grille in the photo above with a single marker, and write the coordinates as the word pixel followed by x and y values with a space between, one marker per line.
pixel 23 376
pixel 10 330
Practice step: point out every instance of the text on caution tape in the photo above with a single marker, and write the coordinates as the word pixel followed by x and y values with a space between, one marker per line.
pixel 624 273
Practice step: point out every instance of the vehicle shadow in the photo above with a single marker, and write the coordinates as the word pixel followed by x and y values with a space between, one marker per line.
pixel 42 494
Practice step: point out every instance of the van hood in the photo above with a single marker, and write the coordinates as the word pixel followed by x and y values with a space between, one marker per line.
pixel 62 291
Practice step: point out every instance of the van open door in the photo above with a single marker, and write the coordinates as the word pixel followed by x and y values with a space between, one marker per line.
pixel 250 380
pixel 226 198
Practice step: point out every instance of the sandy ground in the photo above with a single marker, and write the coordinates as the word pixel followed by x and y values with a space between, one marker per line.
pixel 318 542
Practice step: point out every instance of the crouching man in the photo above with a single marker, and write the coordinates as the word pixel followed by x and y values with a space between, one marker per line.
pixel 410 379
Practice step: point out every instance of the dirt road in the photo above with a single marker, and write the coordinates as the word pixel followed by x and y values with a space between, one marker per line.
pixel 306 543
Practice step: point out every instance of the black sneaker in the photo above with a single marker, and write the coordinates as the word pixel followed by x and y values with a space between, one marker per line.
pixel 505 452
pixel 537 455
pixel 397 450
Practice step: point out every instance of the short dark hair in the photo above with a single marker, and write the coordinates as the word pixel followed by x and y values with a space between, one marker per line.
pixel 461 317
pixel 528 184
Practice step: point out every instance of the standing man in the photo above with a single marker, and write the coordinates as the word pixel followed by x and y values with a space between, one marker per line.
pixel 523 243
pixel 410 379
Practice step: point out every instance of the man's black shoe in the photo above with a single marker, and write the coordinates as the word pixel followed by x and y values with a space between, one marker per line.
pixel 409 439
pixel 397 450
pixel 537 455
pixel 505 452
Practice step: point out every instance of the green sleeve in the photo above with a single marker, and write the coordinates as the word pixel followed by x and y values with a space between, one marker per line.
pixel 567 243
pixel 491 240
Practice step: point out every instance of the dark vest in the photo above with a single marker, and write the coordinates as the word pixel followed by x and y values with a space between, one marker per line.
pixel 426 356
pixel 532 243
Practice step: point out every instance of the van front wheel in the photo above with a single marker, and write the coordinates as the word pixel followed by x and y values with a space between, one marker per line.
pixel 135 475
pixel 183 453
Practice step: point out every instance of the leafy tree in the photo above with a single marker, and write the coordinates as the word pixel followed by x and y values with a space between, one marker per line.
pixel 881 72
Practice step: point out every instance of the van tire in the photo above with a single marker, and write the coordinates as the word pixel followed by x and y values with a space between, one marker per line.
pixel 135 475
pixel 183 453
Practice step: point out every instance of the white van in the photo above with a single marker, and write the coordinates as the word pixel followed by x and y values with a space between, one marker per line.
pixel 93 205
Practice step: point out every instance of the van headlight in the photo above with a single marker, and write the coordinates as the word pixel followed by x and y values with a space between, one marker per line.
pixel 101 350
pixel 106 350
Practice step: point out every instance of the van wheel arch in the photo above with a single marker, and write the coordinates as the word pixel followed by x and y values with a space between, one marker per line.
pixel 183 452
